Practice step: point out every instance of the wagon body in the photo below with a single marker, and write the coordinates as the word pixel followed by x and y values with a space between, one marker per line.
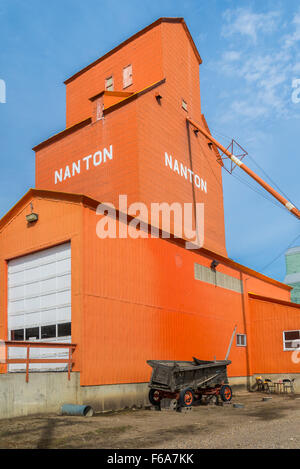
pixel 174 376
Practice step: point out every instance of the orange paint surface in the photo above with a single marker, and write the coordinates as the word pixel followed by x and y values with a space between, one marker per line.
pixel 268 322
pixel 132 299
pixel 144 54
pixel 141 132
pixel 142 301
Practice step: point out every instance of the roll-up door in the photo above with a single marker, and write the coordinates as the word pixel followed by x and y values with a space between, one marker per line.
pixel 39 303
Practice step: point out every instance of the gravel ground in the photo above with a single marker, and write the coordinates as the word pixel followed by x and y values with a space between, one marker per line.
pixel 264 425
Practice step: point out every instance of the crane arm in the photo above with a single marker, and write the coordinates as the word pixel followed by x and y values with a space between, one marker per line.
pixel 286 203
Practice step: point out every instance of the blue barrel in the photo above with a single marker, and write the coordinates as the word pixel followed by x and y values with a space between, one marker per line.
pixel 73 409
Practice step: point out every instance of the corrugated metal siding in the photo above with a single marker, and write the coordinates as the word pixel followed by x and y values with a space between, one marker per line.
pixel 268 321
pixel 141 302
pixel 205 274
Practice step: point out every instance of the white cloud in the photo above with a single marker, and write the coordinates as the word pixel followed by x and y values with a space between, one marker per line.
pixel 247 23
pixel 264 71
pixel 263 80
pixel 245 109
pixel 231 56
pixel 291 40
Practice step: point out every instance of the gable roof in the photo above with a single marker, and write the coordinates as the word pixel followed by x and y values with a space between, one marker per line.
pixel 135 36
pixel 46 194
pixel 93 204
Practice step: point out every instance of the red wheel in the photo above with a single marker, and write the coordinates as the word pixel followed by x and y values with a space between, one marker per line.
pixel 186 398
pixel 226 393
pixel 154 397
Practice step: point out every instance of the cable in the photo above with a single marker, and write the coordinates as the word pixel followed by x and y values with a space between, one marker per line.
pixel 271 180
pixel 279 255
pixel 267 198
pixel 258 166
pixel 262 194
pixel 255 189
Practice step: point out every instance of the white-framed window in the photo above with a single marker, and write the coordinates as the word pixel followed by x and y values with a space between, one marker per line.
pixel 184 105
pixel 109 83
pixel 291 340
pixel 127 76
pixel 42 332
pixel 241 340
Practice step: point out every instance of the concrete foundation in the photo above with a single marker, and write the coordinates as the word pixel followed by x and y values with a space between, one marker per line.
pixel 47 392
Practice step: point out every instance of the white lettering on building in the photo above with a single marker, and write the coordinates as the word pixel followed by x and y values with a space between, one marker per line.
pixel 185 172
pixel 84 164
pixel 58 176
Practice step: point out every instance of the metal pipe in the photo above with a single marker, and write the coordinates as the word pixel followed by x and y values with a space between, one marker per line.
pixel 288 205
pixel 73 409
pixel 231 341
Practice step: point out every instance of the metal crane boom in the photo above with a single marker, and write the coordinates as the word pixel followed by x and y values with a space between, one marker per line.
pixel 288 205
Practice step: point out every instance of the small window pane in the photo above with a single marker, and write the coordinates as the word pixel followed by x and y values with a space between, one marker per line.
pixel 109 84
pixel 184 105
pixel 64 330
pixel 127 76
pixel 292 335
pixel 241 340
pixel 17 334
pixel 289 345
pixel 48 332
pixel 32 333
pixel 296 344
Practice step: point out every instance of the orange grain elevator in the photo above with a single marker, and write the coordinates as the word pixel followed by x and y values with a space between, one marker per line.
pixel 125 300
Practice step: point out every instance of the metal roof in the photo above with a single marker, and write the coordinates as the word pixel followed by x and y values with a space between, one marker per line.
pixel 294 250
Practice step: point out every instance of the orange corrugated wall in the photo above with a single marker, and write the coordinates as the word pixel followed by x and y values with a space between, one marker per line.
pixel 145 53
pixel 135 300
pixel 268 321
pixel 141 302
pixel 141 132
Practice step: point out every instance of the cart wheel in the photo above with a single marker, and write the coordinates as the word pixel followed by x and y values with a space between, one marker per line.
pixel 186 398
pixel 154 397
pixel 226 393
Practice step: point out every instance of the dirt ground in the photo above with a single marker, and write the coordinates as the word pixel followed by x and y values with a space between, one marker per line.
pixel 274 425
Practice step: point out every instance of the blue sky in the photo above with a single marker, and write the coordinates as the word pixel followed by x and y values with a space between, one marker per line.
pixel 251 56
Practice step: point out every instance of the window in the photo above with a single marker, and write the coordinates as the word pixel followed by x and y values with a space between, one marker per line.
pixel 109 83
pixel 32 333
pixel 17 334
pixel 184 105
pixel 48 332
pixel 241 340
pixel 127 76
pixel 64 330
pixel 291 340
pixel 44 332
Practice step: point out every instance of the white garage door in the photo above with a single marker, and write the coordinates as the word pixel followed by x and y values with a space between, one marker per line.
pixel 39 303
